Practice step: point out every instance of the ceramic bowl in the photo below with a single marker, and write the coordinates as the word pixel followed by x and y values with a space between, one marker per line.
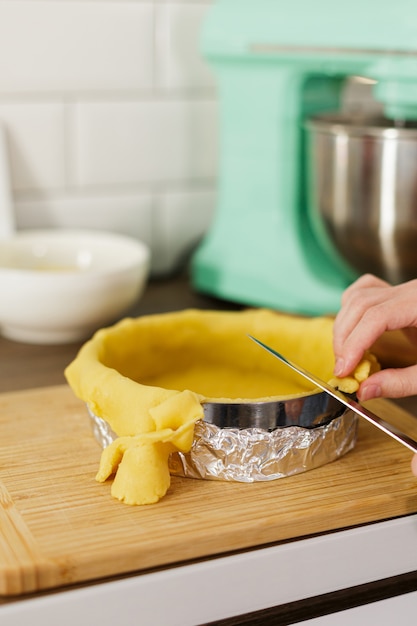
pixel 59 286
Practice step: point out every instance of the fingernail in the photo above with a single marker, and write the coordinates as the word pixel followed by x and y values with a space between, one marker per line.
pixel 370 391
pixel 339 366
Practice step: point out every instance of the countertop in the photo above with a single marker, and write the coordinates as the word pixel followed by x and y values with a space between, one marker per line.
pixel 24 366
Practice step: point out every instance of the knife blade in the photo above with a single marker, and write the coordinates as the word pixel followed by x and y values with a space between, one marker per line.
pixel 371 417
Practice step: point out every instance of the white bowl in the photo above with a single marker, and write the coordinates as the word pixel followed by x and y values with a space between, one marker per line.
pixel 59 286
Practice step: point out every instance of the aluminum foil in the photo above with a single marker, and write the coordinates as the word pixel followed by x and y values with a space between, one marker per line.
pixel 254 454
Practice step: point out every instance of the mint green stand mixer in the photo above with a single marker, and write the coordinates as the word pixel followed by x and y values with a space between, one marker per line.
pixel 276 65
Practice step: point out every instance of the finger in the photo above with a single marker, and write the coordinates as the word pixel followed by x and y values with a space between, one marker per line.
pixel 365 284
pixel 366 292
pixel 370 313
pixel 394 313
pixel 390 383
pixel 366 281
pixel 348 353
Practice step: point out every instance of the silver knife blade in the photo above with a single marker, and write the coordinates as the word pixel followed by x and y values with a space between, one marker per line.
pixel 374 419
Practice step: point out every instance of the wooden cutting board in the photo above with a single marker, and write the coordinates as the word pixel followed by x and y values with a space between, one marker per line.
pixel 59 526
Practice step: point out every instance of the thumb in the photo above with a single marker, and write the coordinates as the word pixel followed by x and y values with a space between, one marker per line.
pixel 390 383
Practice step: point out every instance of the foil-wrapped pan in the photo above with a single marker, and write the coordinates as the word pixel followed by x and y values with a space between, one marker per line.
pixel 255 454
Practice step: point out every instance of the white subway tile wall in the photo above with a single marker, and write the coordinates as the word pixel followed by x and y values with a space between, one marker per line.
pixel 111 119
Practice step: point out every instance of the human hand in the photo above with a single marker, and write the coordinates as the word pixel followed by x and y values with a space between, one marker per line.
pixel 370 306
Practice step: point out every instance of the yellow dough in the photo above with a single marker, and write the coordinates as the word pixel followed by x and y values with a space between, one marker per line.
pixel 149 377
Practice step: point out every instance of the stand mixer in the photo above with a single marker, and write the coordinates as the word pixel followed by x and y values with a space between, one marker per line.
pixel 277 65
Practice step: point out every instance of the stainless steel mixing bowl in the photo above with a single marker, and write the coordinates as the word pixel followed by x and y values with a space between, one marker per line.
pixel 362 175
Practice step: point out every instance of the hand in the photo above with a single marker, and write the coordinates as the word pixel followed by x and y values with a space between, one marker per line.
pixel 370 306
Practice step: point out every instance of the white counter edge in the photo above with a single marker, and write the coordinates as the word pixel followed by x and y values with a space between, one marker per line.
pixel 218 588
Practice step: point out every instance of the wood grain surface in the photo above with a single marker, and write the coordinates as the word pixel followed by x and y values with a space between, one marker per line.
pixel 58 526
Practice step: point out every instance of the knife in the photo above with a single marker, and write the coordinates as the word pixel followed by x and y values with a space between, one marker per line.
pixel 377 421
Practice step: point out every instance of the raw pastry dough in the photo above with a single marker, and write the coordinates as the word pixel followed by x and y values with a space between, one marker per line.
pixel 149 377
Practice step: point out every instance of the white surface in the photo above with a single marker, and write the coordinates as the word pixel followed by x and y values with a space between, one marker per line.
pixel 219 588
pixel 67 46
pixel 129 215
pixel 168 222
pixel 183 218
pixel 153 141
pixel 37 143
pixel 58 286
pixel 108 99
pixel 7 221
pixel 178 33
